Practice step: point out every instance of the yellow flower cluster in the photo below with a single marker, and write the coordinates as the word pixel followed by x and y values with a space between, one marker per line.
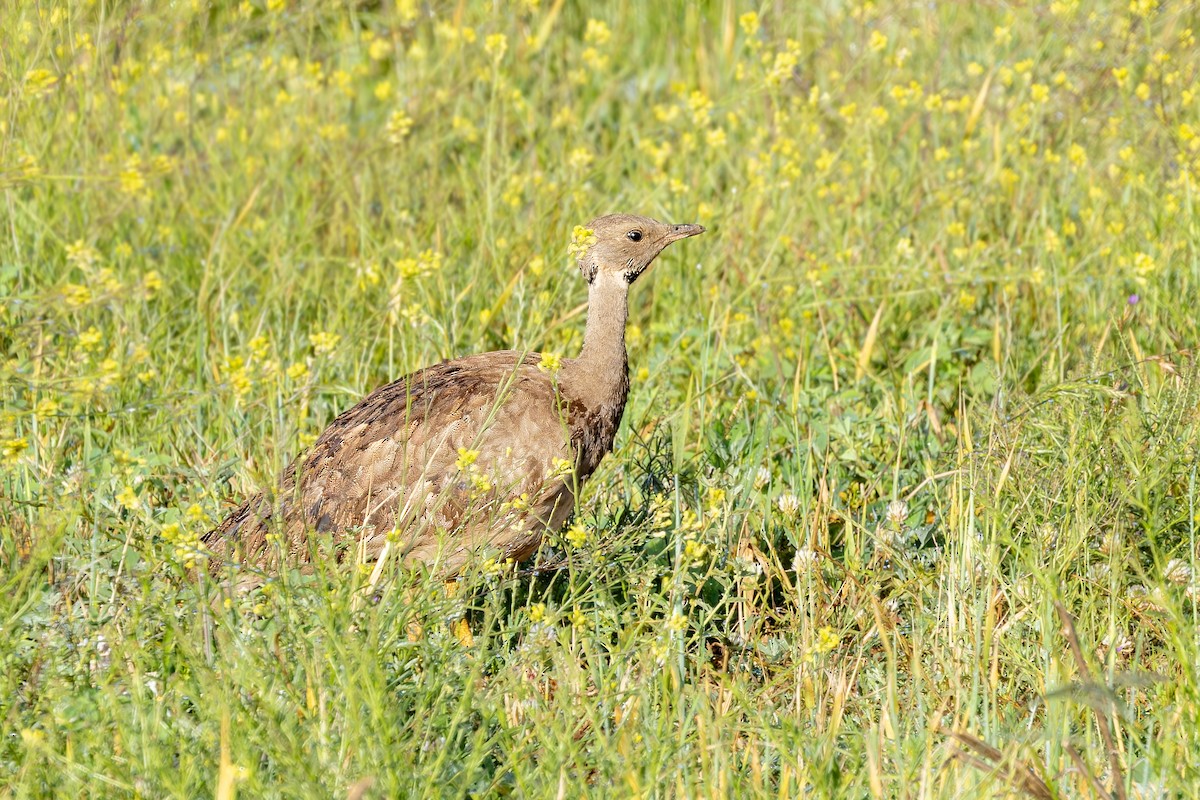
pixel 186 547
pixel 582 240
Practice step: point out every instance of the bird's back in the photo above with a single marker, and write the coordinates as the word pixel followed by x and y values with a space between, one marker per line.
pixel 470 453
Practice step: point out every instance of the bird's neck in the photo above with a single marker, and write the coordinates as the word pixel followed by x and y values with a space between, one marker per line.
pixel 602 369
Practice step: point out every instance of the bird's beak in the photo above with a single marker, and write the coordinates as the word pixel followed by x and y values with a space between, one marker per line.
pixel 678 232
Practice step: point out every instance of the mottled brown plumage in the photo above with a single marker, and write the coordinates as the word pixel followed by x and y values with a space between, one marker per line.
pixel 480 453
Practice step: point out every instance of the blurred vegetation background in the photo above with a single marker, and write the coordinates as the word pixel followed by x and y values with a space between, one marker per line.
pixel 929 374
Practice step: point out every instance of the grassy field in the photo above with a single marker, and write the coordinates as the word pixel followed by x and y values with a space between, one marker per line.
pixel 909 468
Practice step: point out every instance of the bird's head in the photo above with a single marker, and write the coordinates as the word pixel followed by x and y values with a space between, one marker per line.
pixel 623 245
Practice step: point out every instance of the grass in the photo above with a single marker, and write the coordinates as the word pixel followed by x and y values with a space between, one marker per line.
pixel 912 424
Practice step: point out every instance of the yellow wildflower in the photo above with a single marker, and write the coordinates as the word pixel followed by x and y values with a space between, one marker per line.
pixel 716 496
pixel 464 128
pixel 701 107
pixel 399 125
pixel 130 179
pixel 826 640
pixel 577 535
pixel 481 483
pixel 466 458
pixel 597 32
pixel 1143 264
pixel 90 338
pixel 324 342
pixel 578 619
pixel 39 82
pixel 13 448
pixel 195 513
pixel 595 60
pixel 496 45
pixel 518 503
pixel 785 63
pixel 379 49
pixel 260 346
pixel 127 498
pixel 81 255
pixel 151 282
pixel 581 241
pixel 580 158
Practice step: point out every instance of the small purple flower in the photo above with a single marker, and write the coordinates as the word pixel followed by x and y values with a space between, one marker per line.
pixel 1133 299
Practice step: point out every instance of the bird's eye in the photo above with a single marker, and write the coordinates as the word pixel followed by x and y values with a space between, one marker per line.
pixel 634 236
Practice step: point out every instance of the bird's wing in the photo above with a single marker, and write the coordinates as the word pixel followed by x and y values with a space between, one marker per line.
pixel 448 451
